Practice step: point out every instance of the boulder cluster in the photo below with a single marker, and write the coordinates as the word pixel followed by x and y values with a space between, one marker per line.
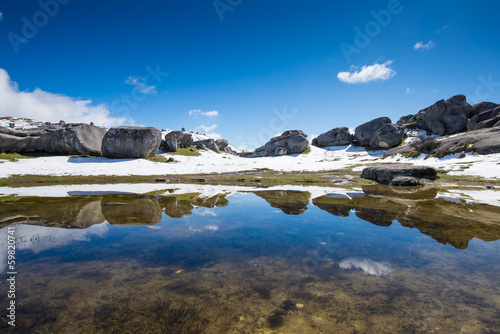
pixel 82 139
pixel 453 116
pixel 443 118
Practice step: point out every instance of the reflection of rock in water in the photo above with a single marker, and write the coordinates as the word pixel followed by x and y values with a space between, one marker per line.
pixel 127 210
pixel 290 202
pixel 79 212
pixel 183 205
pixel 444 221
pixel 175 207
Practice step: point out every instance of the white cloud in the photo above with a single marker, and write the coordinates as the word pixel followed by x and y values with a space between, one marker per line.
pixel 141 85
pixel 421 45
pixel 440 30
pixel 209 131
pixel 206 212
pixel 409 91
pixel 1 16
pixel 369 267
pixel 369 73
pixel 211 113
pixel 45 106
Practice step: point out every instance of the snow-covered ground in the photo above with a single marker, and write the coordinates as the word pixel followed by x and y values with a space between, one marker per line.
pixel 318 159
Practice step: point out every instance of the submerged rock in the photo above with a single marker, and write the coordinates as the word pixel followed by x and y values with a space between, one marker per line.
pixel 384 174
pixel 405 181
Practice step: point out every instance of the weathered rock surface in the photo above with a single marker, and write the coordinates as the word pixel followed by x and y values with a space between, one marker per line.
pixel 365 132
pixel 389 135
pixel 485 119
pixel 66 139
pixel 443 117
pixel 175 140
pixel 404 181
pixel 289 142
pixel 334 137
pixel 480 107
pixel 131 142
pixel 384 174
pixel 483 141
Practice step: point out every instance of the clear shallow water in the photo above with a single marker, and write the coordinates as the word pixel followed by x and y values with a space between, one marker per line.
pixel 264 262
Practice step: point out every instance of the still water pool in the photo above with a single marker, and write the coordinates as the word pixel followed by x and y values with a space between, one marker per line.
pixel 371 261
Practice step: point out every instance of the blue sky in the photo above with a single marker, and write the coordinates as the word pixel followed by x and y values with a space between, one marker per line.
pixel 243 69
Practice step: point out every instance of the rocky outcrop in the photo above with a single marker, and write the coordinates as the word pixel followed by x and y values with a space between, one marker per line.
pixel 384 174
pixel 389 135
pixel 483 141
pixel 61 139
pixel 442 118
pixel 365 132
pixel 334 137
pixel 486 119
pixel 131 142
pixel 289 142
pixel 174 140
pixel 480 107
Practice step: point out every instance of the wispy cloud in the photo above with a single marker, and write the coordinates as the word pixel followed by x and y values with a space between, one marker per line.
pixel 409 91
pixel 440 30
pixel 422 46
pixel 211 113
pixel 369 267
pixel 368 73
pixel 209 130
pixel 1 16
pixel 141 85
pixel 45 106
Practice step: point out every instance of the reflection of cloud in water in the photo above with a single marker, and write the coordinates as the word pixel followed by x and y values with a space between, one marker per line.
pixel 368 266
pixel 206 212
pixel 40 238
pixel 154 227
pixel 204 228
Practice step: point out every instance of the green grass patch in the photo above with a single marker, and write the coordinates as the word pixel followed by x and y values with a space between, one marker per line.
pixel 158 158
pixel 190 151
pixel 307 150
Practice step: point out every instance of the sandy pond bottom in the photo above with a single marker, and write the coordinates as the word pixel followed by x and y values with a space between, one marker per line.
pixel 273 262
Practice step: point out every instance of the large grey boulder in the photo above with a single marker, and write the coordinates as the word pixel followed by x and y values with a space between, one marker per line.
pixel 485 119
pixel 384 174
pixel 334 137
pixel 480 107
pixel 365 132
pixel 65 139
pixel 443 117
pixel 175 140
pixel 389 135
pixel 131 142
pixel 483 141
pixel 289 142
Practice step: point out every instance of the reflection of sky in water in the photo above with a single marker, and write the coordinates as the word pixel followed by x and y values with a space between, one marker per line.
pixel 233 246
pixel 368 266
pixel 39 238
